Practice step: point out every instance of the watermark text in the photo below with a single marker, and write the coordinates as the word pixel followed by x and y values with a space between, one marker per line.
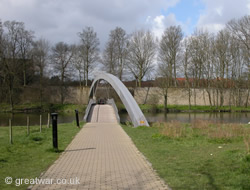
pixel 42 181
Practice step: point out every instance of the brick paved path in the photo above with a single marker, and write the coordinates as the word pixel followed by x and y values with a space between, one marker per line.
pixel 102 156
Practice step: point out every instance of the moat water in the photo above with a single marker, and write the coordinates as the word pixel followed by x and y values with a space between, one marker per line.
pixel 20 119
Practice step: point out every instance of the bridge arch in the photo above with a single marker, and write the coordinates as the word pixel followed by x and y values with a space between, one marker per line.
pixel 135 113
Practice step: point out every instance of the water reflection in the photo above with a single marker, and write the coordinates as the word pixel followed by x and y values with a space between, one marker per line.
pixel 189 117
pixel 20 119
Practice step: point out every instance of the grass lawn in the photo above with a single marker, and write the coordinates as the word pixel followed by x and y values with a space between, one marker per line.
pixel 197 156
pixel 31 155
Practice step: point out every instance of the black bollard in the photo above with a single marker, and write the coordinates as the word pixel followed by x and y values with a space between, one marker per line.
pixel 77 119
pixel 54 129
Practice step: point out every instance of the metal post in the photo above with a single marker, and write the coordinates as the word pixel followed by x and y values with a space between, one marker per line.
pixel 54 129
pixel 77 119
pixel 10 124
pixel 28 125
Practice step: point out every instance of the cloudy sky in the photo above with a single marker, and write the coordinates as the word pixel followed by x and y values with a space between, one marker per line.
pixel 61 20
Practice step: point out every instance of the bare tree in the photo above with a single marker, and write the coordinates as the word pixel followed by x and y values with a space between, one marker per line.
pixel 109 57
pixel 10 58
pixel 187 65
pixel 169 50
pixel 1 62
pixel 121 45
pixel 241 31
pixel 22 44
pixel 163 83
pixel 62 55
pixel 142 49
pixel 238 70
pixel 222 61
pixel 1 39
pixel 90 50
pixel 40 55
pixel 199 54
pixel 78 63
pixel 25 44
pixel 115 52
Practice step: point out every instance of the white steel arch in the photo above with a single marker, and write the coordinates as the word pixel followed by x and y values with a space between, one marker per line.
pixel 135 113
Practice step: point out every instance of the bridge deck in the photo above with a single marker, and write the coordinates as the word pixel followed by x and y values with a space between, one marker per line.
pixel 102 114
pixel 102 156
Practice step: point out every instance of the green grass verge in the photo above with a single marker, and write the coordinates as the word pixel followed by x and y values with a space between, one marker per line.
pixel 30 155
pixel 194 160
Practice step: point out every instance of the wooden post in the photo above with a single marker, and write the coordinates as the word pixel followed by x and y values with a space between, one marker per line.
pixel 40 123
pixel 48 120
pixel 10 124
pixel 28 125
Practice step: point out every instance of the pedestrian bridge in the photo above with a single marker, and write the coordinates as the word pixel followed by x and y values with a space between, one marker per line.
pixel 102 155
pixel 93 112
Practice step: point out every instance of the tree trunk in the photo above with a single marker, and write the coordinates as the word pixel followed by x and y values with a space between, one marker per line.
pixel 11 98
pixel 80 78
pixel 175 82
pixel 84 76
pixel 24 77
pixel 221 98
pixel 203 94
pixel 194 97
pixel 246 104
pixel 230 99
pixel 165 102
pixel 217 98
pixel 209 98
pixel 120 73
pixel 145 100
pixel 62 88
pixel 140 77
pixel 189 98
pixel 86 81
pixel 239 97
pixel 139 82
pixel 24 73
pixel 41 91
pixel 62 96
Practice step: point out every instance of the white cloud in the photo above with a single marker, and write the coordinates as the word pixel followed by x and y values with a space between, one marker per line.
pixel 159 23
pixel 158 26
pixel 218 12
pixel 61 20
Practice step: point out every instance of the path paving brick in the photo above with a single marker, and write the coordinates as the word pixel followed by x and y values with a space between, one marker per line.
pixel 102 156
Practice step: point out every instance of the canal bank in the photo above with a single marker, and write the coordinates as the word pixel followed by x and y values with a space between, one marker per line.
pixel 20 119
